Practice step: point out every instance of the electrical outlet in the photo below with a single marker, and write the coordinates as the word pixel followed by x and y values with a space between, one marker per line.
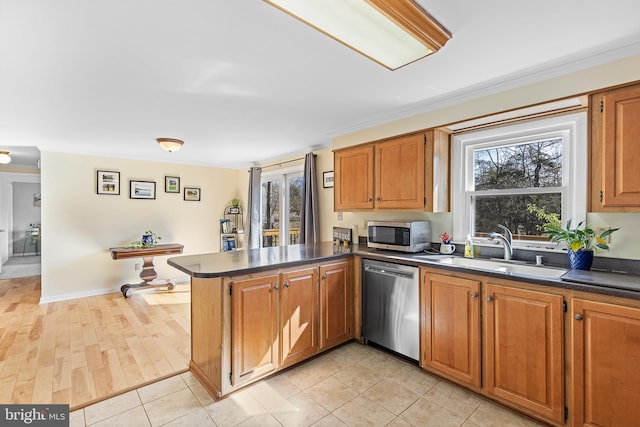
pixel 339 216
pixel 601 230
pixel 138 266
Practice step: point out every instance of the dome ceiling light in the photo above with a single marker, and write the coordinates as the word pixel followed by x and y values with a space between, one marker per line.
pixel 170 144
pixel 4 157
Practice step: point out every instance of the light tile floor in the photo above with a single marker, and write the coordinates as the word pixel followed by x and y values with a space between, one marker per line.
pixel 354 385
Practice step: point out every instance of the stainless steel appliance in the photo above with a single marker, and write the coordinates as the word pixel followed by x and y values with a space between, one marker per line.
pixel 390 306
pixel 405 236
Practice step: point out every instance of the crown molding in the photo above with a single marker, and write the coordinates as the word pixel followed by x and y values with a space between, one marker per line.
pixel 567 64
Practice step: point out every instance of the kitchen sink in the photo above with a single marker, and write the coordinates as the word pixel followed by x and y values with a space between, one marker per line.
pixel 497 265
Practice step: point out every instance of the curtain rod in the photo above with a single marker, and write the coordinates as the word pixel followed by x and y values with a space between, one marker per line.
pixel 285 162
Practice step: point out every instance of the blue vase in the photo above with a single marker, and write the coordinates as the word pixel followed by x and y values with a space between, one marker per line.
pixel 580 260
pixel 147 240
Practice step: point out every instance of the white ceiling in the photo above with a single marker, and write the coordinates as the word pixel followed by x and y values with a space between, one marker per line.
pixel 240 81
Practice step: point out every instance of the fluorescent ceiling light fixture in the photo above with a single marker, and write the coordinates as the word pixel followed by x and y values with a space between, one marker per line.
pixel 170 144
pixel 4 157
pixel 391 33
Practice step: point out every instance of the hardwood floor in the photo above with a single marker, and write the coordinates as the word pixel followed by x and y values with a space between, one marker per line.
pixel 84 350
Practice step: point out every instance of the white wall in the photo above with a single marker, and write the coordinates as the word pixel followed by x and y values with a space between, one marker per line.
pixel 79 226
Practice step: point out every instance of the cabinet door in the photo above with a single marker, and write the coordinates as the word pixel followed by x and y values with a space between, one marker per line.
pixel 451 331
pixel 353 178
pixel 621 110
pixel 605 360
pixel 524 355
pixel 399 173
pixel 336 304
pixel 254 328
pixel 299 315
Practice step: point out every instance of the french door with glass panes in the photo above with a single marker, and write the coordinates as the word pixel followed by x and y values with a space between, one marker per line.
pixel 281 206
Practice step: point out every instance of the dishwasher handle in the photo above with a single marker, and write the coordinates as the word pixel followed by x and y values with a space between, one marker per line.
pixel 389 271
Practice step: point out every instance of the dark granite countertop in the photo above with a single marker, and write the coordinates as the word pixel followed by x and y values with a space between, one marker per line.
pixel 255 260
pixel 611 280
pixel 617 284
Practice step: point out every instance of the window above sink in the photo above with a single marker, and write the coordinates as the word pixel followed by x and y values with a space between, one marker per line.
pixel 508 172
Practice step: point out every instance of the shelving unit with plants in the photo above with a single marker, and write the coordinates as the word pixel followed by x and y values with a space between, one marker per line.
pixel 231 226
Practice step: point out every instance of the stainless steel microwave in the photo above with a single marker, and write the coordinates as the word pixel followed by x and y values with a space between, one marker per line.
pixel 405 236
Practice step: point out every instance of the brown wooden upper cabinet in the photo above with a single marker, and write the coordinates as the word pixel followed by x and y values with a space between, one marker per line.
pixel 406 172
pixel 399 173
pixel 615 150
pixel 353 178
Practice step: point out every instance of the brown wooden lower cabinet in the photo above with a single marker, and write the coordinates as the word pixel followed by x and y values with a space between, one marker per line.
pixel 247 327
pixel 521 359
pixel 605 380
pixel 336 304
pixel 451 326
pixel 298 315
pixel 524 358
pixel 254 328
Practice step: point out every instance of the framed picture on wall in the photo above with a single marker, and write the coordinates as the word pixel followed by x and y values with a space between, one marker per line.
pixel 192 194
pixel 171 184
pixel 108 182
pixel 327 179
pixel 142 189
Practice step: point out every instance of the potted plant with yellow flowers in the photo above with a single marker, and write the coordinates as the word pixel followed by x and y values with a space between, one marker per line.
pixel 581 241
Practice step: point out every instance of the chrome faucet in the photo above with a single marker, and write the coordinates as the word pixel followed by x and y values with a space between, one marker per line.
pixel 507 240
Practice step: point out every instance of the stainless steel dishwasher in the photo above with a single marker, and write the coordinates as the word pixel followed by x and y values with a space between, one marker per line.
pixel 390 306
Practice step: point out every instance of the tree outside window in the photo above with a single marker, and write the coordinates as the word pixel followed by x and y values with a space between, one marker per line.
pixel 281 207
pixel 521 175
pixel 500 175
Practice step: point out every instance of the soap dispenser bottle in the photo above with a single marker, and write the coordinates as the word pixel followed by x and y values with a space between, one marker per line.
pixel 468 247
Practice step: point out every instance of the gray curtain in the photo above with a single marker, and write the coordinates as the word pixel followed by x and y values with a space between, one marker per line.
pixel 252 229
pixel 310 221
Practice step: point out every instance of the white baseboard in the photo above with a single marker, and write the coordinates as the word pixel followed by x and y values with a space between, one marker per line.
pixel 20 254
pixel 94 292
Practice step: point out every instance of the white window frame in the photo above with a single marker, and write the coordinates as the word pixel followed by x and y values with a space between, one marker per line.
pixel 282 175
pixel 571 127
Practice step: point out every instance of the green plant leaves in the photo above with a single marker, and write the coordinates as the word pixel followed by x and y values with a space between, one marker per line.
pixel 578 238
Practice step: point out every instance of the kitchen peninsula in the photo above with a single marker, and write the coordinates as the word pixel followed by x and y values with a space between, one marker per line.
pixel 255 312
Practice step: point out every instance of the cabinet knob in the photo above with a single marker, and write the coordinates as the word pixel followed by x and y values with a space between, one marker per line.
pixel 378 199
pixel 286 285
pixel 370 199
pixel 578 316
pixel 474 295
pixel 276 287
pixel 489 299
pixel 324 277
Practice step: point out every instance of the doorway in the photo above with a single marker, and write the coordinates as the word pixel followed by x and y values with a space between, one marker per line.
pixel 20 215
